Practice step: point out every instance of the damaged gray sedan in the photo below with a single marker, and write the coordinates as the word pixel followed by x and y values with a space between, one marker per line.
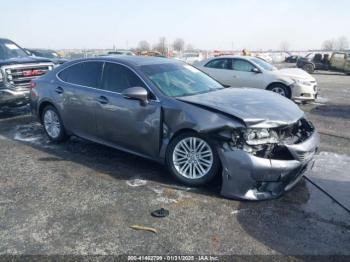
pixel 258 141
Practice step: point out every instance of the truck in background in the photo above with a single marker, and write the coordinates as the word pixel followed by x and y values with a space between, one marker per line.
pixel 336 61
pixel 17 69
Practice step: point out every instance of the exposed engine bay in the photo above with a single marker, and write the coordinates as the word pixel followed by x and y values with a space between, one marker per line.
pixel 270 143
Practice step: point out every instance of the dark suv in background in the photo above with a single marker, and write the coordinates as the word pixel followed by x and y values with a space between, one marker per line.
pixel 17 69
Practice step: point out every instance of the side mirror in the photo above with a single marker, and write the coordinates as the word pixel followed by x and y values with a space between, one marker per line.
pixel 255 70
pixel 136 93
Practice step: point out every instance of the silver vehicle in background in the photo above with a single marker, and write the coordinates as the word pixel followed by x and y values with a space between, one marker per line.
pixel 246 71
pixel 171 112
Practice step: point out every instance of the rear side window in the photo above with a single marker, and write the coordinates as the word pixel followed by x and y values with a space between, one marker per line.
pixel 85 74
pixel 117 78
pixel 219 64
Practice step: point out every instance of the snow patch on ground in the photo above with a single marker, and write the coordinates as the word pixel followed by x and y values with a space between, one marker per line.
pixel 2 137
pixel 31 133
pixel 321 99
pixel 237 211
pixel 136 182
pixel 327 163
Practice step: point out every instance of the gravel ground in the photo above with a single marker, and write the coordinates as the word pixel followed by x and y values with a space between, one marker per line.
pixel 81 198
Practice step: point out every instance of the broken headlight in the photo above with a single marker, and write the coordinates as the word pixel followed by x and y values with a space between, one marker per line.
pixel 260 136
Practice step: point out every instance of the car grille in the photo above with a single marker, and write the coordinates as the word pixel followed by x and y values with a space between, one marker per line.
pixel 19 76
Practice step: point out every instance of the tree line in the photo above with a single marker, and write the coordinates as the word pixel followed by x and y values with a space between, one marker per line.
pixel 162 45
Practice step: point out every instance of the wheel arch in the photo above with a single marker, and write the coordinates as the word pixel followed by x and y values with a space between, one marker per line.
pixel 287 86
pixel 42 105
pixel 182 131
pixel 277 83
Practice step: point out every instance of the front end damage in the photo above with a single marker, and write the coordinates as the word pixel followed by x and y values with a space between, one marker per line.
pixel 262 164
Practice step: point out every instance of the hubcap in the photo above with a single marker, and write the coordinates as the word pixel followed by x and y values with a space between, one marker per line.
pixel 279 90
pixel 192 157
pixel 52 124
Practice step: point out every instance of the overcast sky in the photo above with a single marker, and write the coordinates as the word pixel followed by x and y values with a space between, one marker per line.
pixel 206 24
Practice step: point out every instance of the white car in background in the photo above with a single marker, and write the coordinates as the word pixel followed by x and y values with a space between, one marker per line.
pixel 246 71
pixel 191 57
pixel 265 57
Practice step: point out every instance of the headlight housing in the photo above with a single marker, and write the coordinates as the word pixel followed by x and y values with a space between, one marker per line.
pixel 302 82
pixel 260 136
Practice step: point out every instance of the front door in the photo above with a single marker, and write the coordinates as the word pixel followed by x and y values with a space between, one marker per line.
pixel 244 75
pixel 123 122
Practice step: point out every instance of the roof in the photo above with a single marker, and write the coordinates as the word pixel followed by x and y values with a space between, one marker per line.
pixel 234 56
pixel 135 60
pixel 5 40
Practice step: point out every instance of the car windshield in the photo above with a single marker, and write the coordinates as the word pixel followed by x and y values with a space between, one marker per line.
pixel 180 79
pixel 10 50
pixel 263 64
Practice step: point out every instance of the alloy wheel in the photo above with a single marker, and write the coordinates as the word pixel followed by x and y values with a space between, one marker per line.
pixel 52 123
pixel 193 157
pixel 279 90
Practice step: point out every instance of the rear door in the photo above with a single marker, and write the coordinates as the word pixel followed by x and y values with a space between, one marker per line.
pixel 245 77
pixel 123 122
pixel 221 70
pixel 76 90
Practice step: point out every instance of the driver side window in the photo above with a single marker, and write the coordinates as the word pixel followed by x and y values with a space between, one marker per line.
pixel 117 78
pixel 242 65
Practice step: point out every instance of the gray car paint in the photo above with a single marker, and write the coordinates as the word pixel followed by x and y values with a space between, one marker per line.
pixel 257 108
pixel 146 130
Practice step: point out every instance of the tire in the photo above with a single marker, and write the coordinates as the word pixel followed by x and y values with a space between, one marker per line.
pixel 181 160
pixel 53 124
pixel 281 89
pixel 310 68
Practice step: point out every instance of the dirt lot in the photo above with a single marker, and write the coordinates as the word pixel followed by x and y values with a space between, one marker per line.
pixel 81 198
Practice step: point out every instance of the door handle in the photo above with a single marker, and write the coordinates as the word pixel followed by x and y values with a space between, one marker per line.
pixel 59 90
pixel 102 100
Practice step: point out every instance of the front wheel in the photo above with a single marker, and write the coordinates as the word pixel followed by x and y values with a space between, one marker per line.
pixel 192 159
pixel 280 89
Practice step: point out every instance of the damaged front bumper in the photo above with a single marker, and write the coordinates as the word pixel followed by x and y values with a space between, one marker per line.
pixel 249 177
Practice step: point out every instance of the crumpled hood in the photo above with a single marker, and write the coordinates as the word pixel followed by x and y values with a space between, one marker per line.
pixel 255 107
pixel 24 60
pixel 294 73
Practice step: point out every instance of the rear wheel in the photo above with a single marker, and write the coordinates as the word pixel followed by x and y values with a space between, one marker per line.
pixel 53 124
pixel 192 159
pixel 281 89
pixel 309 68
